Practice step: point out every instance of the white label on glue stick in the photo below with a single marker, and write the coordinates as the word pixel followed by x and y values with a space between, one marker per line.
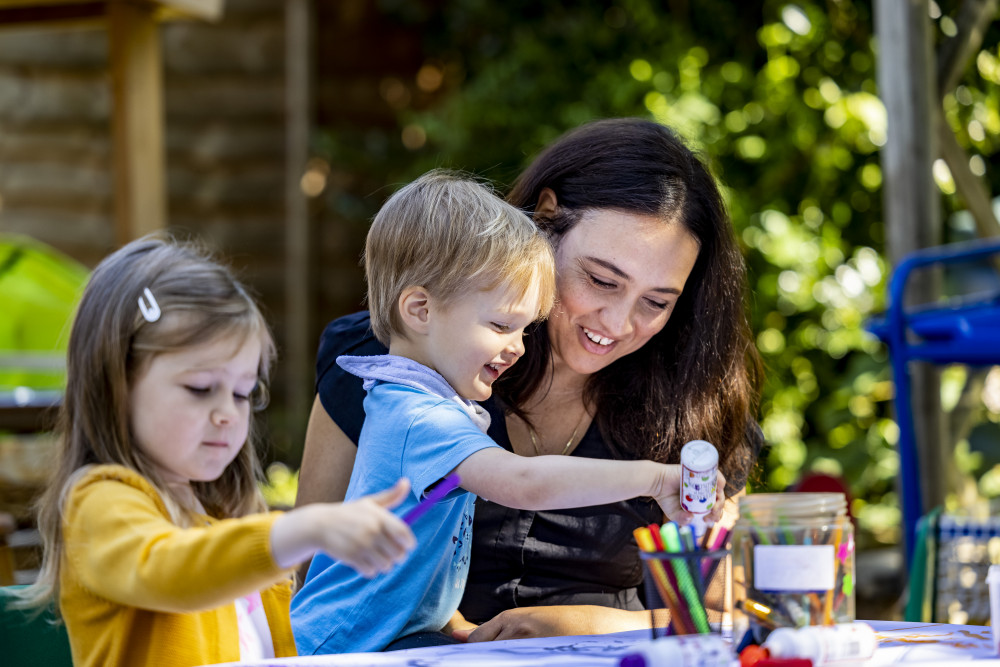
pixel 787 567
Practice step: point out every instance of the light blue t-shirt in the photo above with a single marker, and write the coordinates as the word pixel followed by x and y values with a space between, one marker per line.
pixel 416 427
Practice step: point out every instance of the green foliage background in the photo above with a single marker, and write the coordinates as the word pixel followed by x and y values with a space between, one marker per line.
pixel 781 100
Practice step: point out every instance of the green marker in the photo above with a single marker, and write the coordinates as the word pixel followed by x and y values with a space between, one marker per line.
pixel 672 541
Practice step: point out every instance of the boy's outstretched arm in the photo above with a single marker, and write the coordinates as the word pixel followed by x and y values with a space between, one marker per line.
pixel 361 533
pixel 558 482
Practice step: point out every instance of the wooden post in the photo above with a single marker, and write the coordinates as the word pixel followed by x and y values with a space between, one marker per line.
pixel 298 273
pixel 912 209
pixel 136 120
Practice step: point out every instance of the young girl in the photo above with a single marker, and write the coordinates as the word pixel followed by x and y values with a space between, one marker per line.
pixel 157 546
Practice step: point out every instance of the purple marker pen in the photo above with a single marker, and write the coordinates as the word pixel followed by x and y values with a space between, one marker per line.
pixel 444 487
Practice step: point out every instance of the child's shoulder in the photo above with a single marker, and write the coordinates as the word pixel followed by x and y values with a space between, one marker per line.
pixel 112 471
pixel 412 398
pixel 95 478
pixel 402 407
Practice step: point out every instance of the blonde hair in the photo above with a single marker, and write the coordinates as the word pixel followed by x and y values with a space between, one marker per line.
pixel 449 234
pixel 111 343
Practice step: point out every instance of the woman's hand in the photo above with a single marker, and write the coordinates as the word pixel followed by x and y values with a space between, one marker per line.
pixel 362 534
pixel 554 621
pixel 668 496
pixel 458 627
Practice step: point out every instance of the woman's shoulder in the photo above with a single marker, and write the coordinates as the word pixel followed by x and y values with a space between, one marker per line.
pixel 350 334
pixel 347 335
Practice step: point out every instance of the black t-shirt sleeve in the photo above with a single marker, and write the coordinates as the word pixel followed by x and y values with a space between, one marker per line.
pixel 341 393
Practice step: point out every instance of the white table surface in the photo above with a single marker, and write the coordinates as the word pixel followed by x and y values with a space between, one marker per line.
pixel 929 644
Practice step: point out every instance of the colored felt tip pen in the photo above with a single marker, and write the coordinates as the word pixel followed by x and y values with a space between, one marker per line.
pixel 444 487
pixel 760 612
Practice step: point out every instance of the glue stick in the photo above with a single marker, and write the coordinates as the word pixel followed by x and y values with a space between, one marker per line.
pixel 699 481
pixel 824 644
pixel 697 650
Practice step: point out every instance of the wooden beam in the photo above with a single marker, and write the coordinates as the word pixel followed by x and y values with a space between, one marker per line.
pixel 47 11
pixel 79 12
pixel 137 120
pixel 136 91
pixel 206 10
pixel 913 220
pixel 298 265
pixel 905 84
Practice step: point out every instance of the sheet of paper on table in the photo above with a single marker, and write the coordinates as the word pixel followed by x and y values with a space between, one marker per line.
pixel 929 644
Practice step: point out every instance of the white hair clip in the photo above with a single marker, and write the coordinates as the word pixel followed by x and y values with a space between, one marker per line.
pixel 151 312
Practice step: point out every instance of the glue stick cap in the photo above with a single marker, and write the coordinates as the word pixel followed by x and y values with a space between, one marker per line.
pixel 753 654
pixel 699 455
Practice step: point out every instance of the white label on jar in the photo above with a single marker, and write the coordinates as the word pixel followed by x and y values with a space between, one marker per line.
pixel 786 567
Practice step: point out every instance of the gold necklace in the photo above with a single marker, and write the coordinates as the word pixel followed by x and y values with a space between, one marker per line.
pixel 572 437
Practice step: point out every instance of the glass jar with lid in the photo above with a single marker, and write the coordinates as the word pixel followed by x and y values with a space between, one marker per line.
pixel 793 562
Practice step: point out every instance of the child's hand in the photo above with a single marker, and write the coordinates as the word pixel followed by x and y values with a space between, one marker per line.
pixel 668 496
pixel 365 535
pixel 362 534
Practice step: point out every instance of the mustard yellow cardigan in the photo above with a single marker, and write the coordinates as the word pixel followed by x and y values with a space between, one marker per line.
pixel 136 589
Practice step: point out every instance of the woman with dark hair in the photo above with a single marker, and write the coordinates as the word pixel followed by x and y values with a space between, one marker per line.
pixel 647 348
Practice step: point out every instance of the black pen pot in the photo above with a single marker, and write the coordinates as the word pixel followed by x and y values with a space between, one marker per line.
pixel 689 592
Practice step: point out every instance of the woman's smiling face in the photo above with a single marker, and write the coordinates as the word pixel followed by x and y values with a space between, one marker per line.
pixel 618 276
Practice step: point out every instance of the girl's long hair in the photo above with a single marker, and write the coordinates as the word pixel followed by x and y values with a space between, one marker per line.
pixel 698 378
pixel 111 343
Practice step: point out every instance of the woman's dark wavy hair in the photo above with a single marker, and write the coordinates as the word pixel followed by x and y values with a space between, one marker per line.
pixel 698 378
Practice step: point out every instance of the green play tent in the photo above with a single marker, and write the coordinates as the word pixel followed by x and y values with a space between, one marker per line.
pixel 39 290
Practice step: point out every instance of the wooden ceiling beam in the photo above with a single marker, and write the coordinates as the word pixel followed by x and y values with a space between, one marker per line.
pixel 75 12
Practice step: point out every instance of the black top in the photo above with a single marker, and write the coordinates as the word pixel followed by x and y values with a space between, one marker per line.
pixel 520 558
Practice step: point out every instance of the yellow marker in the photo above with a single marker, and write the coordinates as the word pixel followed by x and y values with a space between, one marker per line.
pixel 759 611
pixel 645 541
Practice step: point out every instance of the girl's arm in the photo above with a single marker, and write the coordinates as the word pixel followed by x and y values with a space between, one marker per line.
pixel 135 556
pixel 557 482
pixel 362 533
